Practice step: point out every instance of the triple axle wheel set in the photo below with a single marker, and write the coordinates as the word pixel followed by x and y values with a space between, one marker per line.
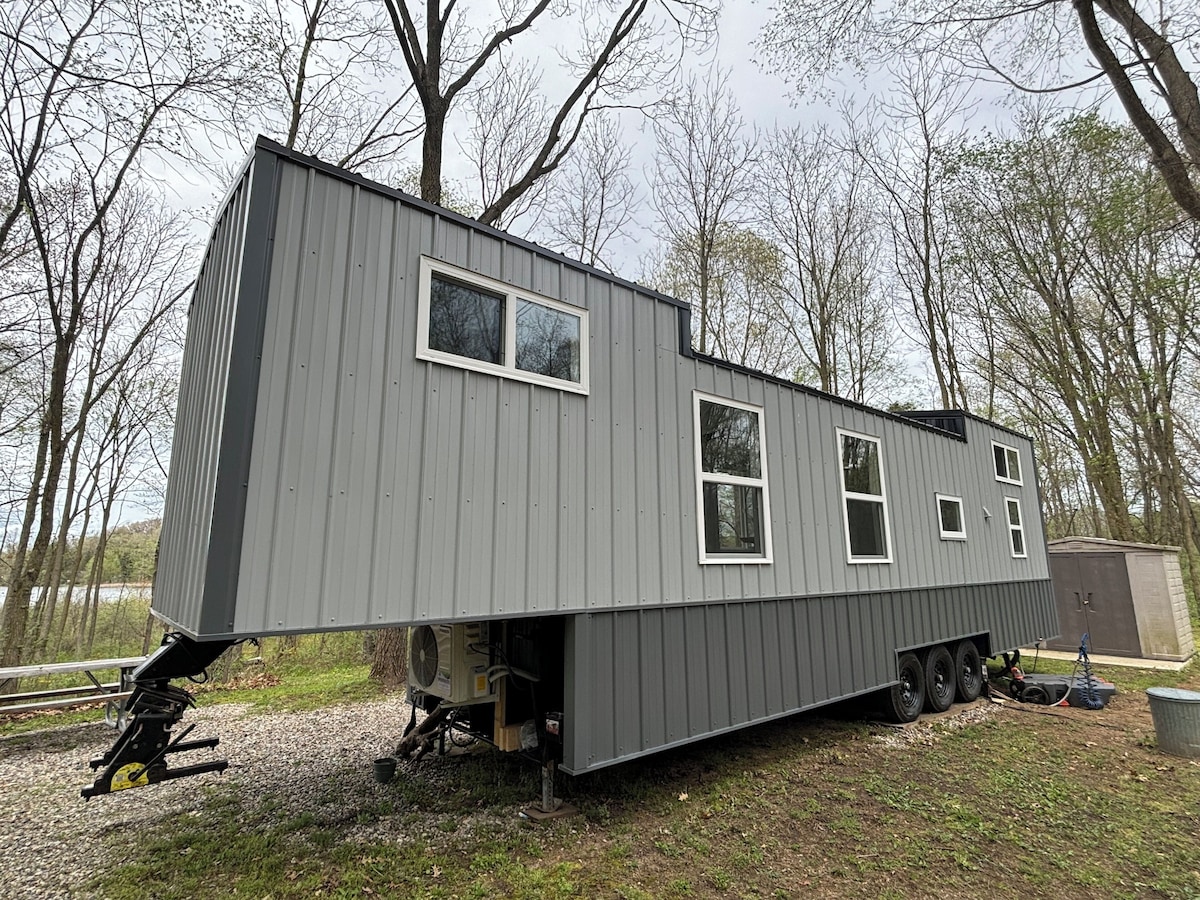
pixel 931 679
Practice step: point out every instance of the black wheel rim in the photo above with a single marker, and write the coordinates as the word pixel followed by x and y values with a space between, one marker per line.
pixel 910 691
pixel 971 675
pixel 943 684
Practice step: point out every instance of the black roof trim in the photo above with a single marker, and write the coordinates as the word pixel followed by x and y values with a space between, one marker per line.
pixel 833 398
pixel 265 143
pixel 1020 434
pixel 972 417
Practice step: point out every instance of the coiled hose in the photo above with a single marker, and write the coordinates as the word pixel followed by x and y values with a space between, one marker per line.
pixel 1089 691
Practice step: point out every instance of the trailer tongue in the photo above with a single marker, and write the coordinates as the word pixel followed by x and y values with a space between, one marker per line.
pixel 139 756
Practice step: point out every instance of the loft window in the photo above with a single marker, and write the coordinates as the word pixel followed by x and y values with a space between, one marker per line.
pixel 465 322
pixel 950 518
pixel 547 341
pixel 1016 530
pixel 731 482
pixel 477 323
pixel 1008 463
pixel 866 519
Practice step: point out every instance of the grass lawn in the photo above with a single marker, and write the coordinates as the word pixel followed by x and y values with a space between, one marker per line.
pixel 1004 800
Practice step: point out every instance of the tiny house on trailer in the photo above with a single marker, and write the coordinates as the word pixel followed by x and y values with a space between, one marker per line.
pixel 391 415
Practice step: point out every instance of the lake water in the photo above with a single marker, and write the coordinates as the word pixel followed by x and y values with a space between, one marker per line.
pixel 108 592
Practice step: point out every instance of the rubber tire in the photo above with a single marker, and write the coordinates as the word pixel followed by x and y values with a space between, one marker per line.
pixel 939 679
pixel 903 701
pixel 968 672
pixel 1035 693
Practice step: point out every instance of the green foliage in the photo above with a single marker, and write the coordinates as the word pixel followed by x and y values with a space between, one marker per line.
pixel 130 554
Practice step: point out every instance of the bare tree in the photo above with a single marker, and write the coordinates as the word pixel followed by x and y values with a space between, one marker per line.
pixel 330 62
pixel 812 201
pixel 1145 51
pixel 593 199
pixel 702 183
pixel 93 89
pixel 507 119
pixel 744 274
pixel 904 144
pixel 622 49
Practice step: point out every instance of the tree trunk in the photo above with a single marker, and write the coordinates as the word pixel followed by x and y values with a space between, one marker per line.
pixel 431 153
pixel 390 665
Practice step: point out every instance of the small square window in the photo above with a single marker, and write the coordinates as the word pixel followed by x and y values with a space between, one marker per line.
pixel 729 440
pixel 950 518
pixel 732 518
pixel 1008 463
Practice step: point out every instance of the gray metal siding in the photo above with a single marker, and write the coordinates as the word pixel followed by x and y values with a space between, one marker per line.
pixel 383 489
pixel 644 680
pixel 192 520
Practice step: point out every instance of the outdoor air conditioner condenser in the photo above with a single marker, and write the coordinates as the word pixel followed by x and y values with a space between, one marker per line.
pixel 451 662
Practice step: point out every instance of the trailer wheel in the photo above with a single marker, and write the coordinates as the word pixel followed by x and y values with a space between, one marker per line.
pixel 904 700
pixel 968 672
pixel 939 679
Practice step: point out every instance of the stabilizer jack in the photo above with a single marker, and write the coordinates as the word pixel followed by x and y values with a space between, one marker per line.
pixel 139 756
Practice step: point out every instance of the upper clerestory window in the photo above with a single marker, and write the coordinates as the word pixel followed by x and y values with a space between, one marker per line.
pixel 474 322
pixel 1008 463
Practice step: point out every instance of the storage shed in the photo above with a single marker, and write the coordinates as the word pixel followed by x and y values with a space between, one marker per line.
pixel 1127 597
pixel 392 415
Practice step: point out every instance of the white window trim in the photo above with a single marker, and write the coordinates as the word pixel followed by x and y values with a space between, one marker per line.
pixel 702 478
pixel 961 534
pixel 873 498
pixel 1007 467
pixel 511 295
pixel 1011 528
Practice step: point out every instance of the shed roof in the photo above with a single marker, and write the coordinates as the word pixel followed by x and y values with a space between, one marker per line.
pixel 1077 543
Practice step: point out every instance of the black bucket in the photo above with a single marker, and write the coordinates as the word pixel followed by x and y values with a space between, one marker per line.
pixel 385 769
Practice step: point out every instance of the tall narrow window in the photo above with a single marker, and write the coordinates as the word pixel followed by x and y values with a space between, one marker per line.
pixel 473 322
pixel 1008 463
pixel 950 518
pixel 867 537
pixel 1016 530
pixel 731 482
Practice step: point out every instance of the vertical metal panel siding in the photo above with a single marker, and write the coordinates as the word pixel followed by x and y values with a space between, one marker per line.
pixel 640 681
pixel 195 455
pixel 385 489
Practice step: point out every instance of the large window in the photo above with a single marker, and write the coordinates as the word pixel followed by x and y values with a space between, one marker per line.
pixel 1016 530
pixel 1008 463
pixel 950 518
pixel 866 518
pixel 731 482
pixel 474 322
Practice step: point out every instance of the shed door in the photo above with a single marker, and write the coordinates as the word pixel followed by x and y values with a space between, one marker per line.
pixel 1094 596
pixel 1068 598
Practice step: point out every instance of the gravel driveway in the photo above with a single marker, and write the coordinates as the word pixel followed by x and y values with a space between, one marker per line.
pixel 52 842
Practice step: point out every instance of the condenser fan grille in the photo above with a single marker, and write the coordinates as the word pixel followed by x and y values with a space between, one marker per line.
pixel 425 656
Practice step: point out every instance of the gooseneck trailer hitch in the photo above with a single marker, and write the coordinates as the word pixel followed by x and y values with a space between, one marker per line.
pixel 139 756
